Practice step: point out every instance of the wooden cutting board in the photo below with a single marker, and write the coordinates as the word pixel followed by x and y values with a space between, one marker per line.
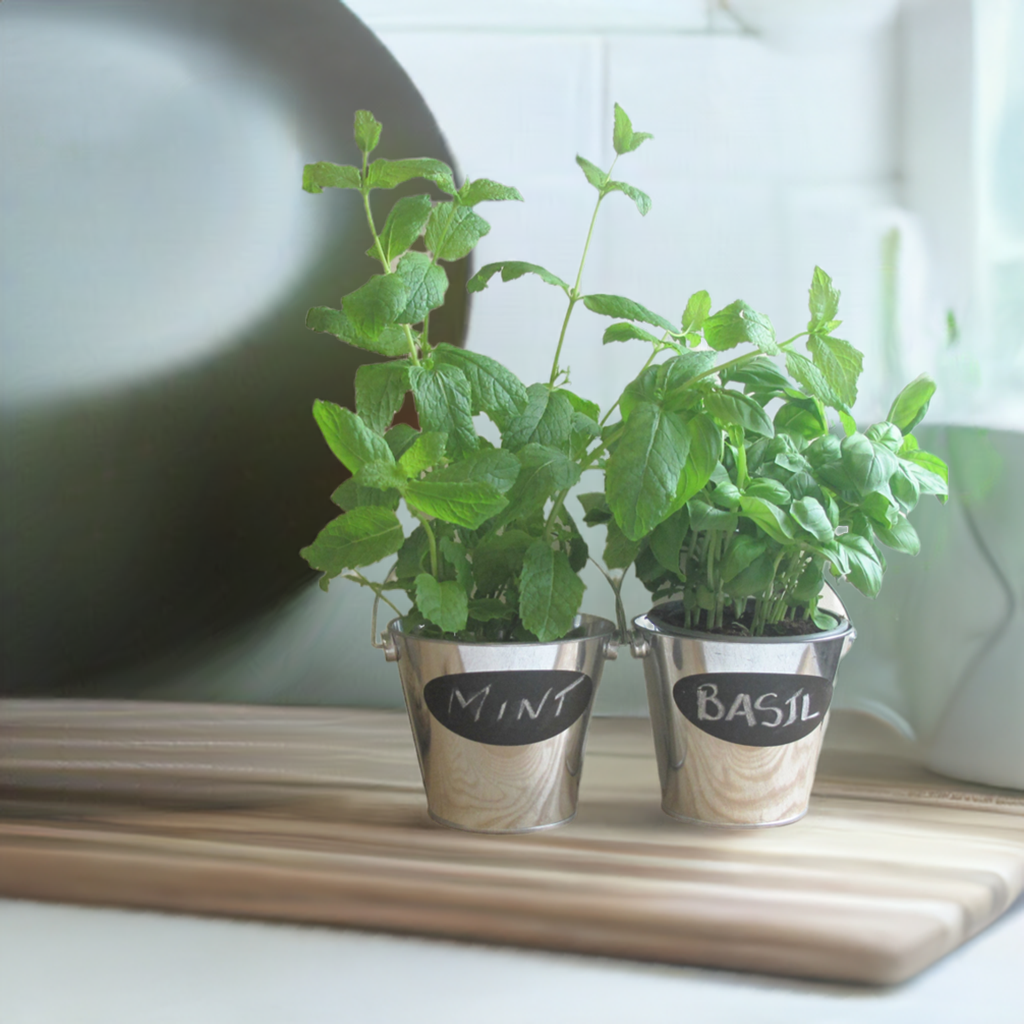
pixel 318 816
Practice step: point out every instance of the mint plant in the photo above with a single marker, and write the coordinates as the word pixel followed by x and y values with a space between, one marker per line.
pixel 495 554
pixel 725 485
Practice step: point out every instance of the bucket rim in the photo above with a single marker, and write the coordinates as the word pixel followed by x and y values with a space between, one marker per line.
pixel 648 623
pixel 598 628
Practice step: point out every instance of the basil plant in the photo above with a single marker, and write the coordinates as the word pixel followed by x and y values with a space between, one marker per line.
pixel 727 488
pixel 488 549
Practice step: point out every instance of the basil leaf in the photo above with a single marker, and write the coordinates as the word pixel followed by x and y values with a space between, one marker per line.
pixel 865 567
pixel 704 454
pixel 742 550
pixel 667 539
pixel 493 390
pixel 912 403
pixel 769 490
pixel 357 538
pixel 444 403
pixel 550 592
pixel 888 435
pixel 738 324
pixel 811 515
pixel 769 517
pixel 444 604
pixel 901 536
pixel 619 550
pixel 734 408
pixel 512 270
pixel 868 465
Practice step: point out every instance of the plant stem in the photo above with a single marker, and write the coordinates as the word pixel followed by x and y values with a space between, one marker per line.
pixel 738 361
pixel 431 540
pixel 574 294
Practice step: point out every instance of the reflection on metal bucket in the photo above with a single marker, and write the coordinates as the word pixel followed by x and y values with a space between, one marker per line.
pixel 500 729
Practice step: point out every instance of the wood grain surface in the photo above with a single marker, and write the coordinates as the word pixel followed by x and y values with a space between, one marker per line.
pixel 319 816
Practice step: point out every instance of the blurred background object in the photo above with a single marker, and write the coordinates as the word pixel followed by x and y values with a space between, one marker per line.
pixel 889 151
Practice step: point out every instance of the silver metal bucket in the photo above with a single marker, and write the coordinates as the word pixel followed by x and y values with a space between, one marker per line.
pixel 500 728
pixel 738 721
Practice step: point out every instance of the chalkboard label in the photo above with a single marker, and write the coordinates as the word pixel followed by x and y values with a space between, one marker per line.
pixel 757 709
pixel 509 708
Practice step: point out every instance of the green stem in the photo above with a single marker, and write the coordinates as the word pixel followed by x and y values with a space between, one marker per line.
pixel 431 540
pixel 738 361
pixel 574 294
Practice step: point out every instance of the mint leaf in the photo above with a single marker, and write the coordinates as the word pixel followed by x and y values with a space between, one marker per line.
pixel 734 408
pixel 644 471
pixel 593 173
pixel 357 538
pixel 642 199
pixel 738 324
pixel 457 559
pixel 426 450
pixel 912 403
pixel 624 309
pixel 546 419
pixel 627 332
pixel 498 559
pixel 351 440
pixel 595 508
pixel 425 285
pixel 495 391
pixel 489 465
pixel 840 364
pixel 468 503
pixel 382 475
pixel 484 190
pixel 444 604
pixel 550 592
pixel 823 300
pixel 392 173
pixel 545 471
pixel 367 131
pixel 380 391
pixel 511 270
pixel 624 139
pixel 813 380
pixel 444 403
pixel 392 341
pixel 376 304
pixel 400 438
pixel 705 451
pixel 317 177
pixel 405 222
pixel 453 230
pixel 351 494
pixel 698 306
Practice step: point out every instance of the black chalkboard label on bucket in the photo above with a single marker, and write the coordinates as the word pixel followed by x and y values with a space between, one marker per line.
pixel 757 709
pixel 509 708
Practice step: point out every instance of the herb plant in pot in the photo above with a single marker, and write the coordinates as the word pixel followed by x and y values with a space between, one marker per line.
pixel 498 667
pixel 730 493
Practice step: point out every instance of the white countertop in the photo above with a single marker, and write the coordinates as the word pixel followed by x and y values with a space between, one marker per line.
pixel 73 965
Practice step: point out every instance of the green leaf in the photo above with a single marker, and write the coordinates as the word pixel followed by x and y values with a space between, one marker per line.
pixel 865 566
pixel 427 450
pixel 698 306
pixel 487 609
pixel 769 490
pixel 758 374
pixel 444 403
pixel 848 422
pixel 929 471
pixel 912 403
pixel 705 451
pixel 642 199
pixel 743 549
pixel 624 309
pixel 457 559
pixel 367 131
pixel 840 364
pixel 400 438
pixel 354 444
pixel 495 390
pixel 545 471
pixel 868 465
pixel 802 418
pixel 317 177
pixel 595 508
pixel 413 554
pixel 591 410
pixel 498 559
pixel 727 495
pixel 888 435
pixel 376 304
pixel 667 538
pixel 823 300
pixel 425 285
pixel 811 515
pixel 380 391
pixel 619 550
pixel 812 379
pixel 627 332
pixel 454 230
pixel 468 503
pixel 704 516
pixel 769 517
pixel 511 270
pixel 550 592
pixel 382 475
pixel 546 419
pixel 357 538
pixel 493 466
pixel 351 494
pixel 404 224
pixel 734 408
pixel 594 174
pixel 643 474
pixel 901 536
pixel 754 579
pixel 483 190
pixel 392 341
pixel 624 139
pixel 392 173
pixel 738 324
pixel 444 604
